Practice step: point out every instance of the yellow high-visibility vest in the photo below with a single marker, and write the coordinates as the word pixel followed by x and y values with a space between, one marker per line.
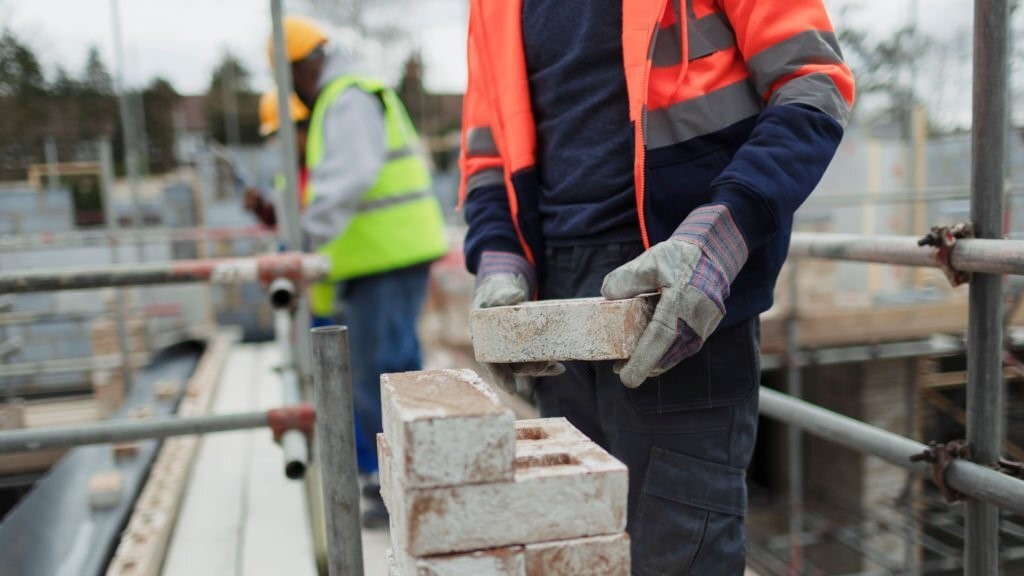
pixel 399 221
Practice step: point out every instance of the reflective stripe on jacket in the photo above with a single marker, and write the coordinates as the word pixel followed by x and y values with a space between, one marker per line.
pixel 740 102
pixel 399 221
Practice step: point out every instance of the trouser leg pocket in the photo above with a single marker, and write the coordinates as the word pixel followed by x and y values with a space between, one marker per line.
pixel 689 518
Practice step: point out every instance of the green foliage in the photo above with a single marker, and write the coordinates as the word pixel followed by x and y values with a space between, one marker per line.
pixel 232 74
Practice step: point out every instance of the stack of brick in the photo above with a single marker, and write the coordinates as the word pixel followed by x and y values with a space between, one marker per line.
pixel 470 491
pixel 105 339
pixel 108 383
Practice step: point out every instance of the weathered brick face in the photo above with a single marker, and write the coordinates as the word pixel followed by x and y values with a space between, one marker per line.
pixel 472 493
pixel 581 329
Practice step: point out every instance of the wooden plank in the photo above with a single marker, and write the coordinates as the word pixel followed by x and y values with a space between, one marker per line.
pixel 824 328
pixel 143 544
pixel 44 414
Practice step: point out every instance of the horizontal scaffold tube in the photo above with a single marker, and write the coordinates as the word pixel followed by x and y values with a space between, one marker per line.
pixel 968 255
pixel 75 238
pixel 293 266
pixel 968 478
pixel 300 417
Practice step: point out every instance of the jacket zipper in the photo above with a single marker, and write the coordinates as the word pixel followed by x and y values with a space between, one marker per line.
pixel 642 140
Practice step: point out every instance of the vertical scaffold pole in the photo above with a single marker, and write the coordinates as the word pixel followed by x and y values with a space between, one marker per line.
pixel 336 443
pixel 985 406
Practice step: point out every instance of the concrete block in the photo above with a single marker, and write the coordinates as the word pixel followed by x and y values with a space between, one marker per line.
pixel 446 428
pixel 578 329
pixel 560 491
pixel 105 489
pixel 594 556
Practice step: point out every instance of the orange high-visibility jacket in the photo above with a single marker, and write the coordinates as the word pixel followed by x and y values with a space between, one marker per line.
pixel 740 102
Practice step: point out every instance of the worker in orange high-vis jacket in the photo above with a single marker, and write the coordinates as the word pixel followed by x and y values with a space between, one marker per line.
pixel 622 147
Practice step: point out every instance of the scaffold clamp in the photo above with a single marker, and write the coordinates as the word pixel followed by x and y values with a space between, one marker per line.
pixel 301 418
pixel 939 455
pixel 944 238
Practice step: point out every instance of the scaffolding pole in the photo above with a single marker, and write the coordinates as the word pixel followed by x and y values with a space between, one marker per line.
pixel 978 482
pixel 985 404
pixel 984 256
pixel 76 238
pixel 297 267
pixel 335 432
pixel 288 198
pixel 300 417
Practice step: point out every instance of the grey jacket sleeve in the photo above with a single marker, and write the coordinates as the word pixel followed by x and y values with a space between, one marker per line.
pixel 355 149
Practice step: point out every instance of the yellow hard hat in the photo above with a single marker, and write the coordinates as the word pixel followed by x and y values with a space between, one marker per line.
pixel 301 37
pixel 269 118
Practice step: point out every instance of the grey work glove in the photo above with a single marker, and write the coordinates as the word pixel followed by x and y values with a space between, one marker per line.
pixel 507 279
pixel 693 270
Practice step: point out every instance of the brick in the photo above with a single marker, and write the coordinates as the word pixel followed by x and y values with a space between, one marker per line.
pixel 108 389
pixel 126 450
pixel 447 428
pixel 561 490
pixel 167 389
pixel 579 329
pixel 598 556
pixel 105 489
pixel 594 556
pixel 12 416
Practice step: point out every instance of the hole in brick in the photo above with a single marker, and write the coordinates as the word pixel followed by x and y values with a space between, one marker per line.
pixel 546 460
pixel 531 433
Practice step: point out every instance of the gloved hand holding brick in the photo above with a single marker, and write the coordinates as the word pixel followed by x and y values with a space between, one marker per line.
pixel 693 270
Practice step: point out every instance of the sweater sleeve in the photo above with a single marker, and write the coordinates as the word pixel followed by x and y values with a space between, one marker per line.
pixel 796 65
pixel 482 189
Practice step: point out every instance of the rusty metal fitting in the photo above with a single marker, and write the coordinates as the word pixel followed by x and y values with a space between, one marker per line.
pixel 944 238
pixel 939 456
pixel 1011 468
pixel 301 417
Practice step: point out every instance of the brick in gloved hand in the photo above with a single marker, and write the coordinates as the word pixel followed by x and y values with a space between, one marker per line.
pixel 506 279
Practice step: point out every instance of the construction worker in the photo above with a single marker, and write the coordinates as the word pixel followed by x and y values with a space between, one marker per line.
pixel 370 210
pixel 269 124
pixel 618 148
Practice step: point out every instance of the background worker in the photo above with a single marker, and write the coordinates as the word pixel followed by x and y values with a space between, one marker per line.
pixel 371 211
pixel 255 202
pixel 621 147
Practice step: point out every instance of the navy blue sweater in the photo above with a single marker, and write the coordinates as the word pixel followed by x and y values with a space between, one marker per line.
pixel 584 136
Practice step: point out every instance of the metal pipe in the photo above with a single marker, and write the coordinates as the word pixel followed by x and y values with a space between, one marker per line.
pixel 978 482
pixel 288 198
pixel 294 445
pixel 794 443
pixel 106 362
pixel 33 439
pixel 335 432
pixel 41 316
pixel 119 304
pixel 985 404
pixel 19 242
pixel 986 256
pixel 263 268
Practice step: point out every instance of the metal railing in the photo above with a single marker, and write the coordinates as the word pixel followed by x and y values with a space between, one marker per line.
pixel 986 257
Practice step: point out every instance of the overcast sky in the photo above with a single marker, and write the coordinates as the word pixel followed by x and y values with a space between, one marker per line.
pixel 183 39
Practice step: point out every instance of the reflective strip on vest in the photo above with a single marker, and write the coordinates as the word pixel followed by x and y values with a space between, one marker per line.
pixel 486 177
pixel 480 142
pixel 398 222
pixel 704 115
pixel 704 36
pixel 806 49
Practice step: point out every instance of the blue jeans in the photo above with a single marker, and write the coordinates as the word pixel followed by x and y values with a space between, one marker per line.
pixel 686 436
pixel 380 312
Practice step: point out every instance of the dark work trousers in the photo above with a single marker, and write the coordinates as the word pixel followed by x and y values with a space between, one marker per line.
pixel 686 436
pixel 381 313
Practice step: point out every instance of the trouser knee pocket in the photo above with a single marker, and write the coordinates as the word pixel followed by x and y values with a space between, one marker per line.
pixel 689 518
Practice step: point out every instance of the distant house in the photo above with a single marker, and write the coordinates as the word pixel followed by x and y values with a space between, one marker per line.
pixel 191 127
